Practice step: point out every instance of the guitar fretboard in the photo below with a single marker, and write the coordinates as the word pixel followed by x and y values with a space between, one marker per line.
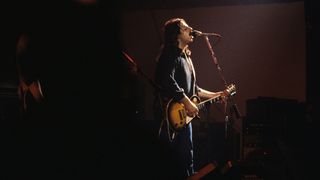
pixel 208 101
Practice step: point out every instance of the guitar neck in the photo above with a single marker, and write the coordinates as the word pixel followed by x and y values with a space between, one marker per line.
pixel 230 91
pixel 208 101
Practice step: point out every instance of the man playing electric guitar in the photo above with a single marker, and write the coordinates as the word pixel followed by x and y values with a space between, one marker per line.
pixel 177 114
pixel 176 76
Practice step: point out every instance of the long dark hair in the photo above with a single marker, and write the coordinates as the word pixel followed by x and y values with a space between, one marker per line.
pixel 171 31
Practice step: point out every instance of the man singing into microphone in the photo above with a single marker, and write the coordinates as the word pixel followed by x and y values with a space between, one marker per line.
pixel 175 74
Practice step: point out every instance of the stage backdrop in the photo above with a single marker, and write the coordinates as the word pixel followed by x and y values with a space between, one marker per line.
pixel 262 49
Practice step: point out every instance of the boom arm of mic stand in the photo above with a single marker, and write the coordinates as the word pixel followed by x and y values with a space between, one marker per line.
pixel 215 61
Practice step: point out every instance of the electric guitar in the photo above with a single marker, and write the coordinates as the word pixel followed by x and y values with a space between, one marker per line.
pixel 177 116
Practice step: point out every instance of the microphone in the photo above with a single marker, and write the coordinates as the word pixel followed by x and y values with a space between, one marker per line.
pixel 196 33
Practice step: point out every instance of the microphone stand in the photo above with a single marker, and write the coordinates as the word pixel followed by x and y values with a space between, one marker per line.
pixel 234 106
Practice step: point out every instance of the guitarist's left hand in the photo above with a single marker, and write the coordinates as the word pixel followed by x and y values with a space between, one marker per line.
pixel 227 92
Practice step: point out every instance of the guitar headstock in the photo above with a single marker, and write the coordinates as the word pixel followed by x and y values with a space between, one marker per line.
pixel 230 91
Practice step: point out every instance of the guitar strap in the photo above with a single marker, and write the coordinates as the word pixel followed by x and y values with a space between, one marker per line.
pixel 164 120
pixel 189 61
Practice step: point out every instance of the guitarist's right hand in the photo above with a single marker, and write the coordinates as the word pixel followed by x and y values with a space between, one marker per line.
pixel 191 109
